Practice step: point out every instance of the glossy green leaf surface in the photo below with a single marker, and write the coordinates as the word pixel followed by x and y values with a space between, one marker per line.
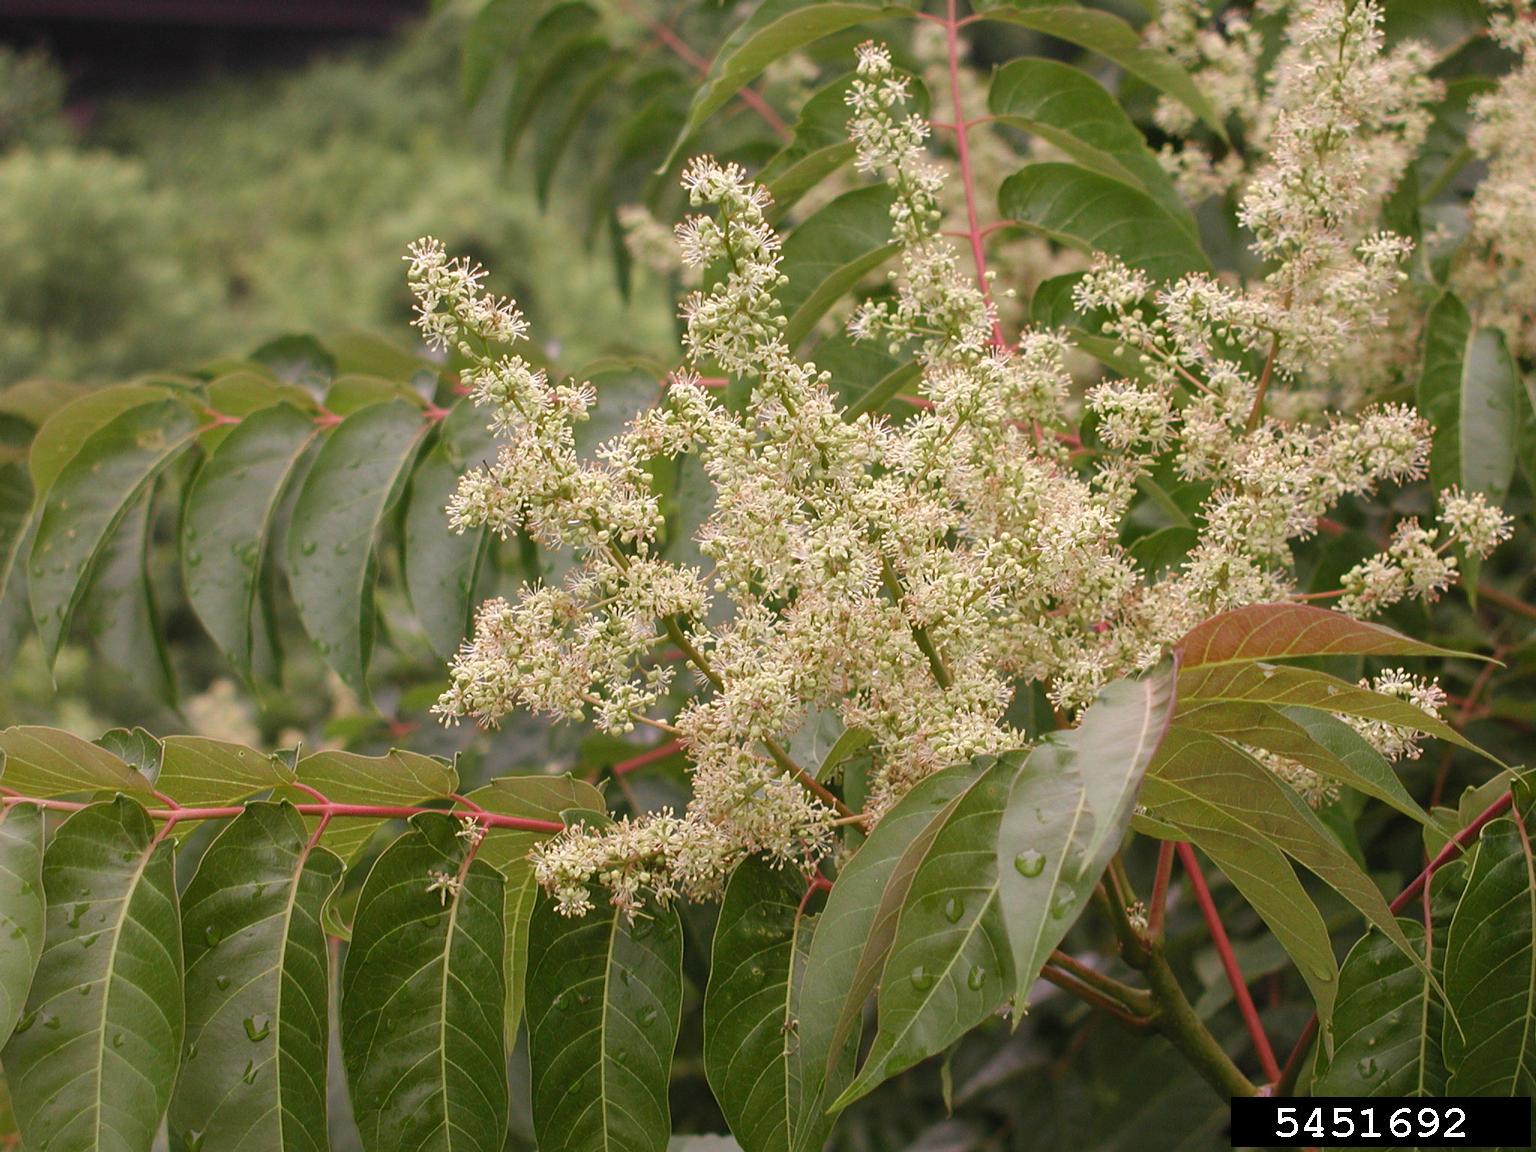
pixel 93 1059
pixel 331 566
pixel 421 1001
pixel 441 565
pixel 1068 808
pixel 831 252
pixel 1092 212
pixel 1073 112
pixel 21 908
pixel 399 779
pixel 604 1004
pixel 46 762
pixel 950 964
pixel 227 523
pixel 257 985
pixel 853 937
pixel 198 770
pixel 751 1014
pixel 92 494
pixel 1490 969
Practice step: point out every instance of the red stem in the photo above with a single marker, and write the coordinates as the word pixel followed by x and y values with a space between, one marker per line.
pixel 1229 962
pixel 327 809
pixel 963 148
pixel 661 752
pixel 686 54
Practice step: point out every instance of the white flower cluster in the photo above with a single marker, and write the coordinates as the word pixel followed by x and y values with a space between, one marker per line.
pixel 1503 209
pixel 1392 741
pixel 905 578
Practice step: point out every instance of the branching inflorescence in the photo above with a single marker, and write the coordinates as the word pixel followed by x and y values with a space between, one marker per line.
pixel 910 578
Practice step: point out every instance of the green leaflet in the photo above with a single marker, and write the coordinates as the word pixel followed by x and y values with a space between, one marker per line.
pixel 578 81
pixel 197 770
pixel 1206 784
pixel 228 520
pixel 92 1062
pixel 45 762
pixel 751 1017
pixel 1386 1024
pixel 496 31
pixel 441 566
pixel 774 30
pixel 257 985
pixel 831 252
pixel 532 797
pixel 604 1005
pixel 853 936
pixel 1313 739
pixel 397 779
pixel 1076 114
pixel 90 497
pixel 1096 213
pixel 1286 686
pixel 1490 969
pixel 1068 808
pixel 950 964
pixel 118 608
pixel 21 908
pixel 1266 879
pixel 331 565
pixel 1470 390
pixel 561 32
pixel 64 433
pixel 421 1003
pixel 1115 40
pixel 1286 631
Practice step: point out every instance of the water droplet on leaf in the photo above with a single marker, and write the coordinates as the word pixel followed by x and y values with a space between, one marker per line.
pixel 954 908
pixel 1029 863
pixel 257 1028
pixel 977 977
pixel 922 979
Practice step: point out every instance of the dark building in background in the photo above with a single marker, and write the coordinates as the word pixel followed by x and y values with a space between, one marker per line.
pixel 112 44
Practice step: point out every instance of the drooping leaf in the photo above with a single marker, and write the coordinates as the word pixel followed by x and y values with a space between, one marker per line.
pixel 257 987
pixel 1386 1024
pixel 92 1061
pixel 399 779
pixel 441 565
pixel 751 1014
pixel 1291 687
pixel 198 770
pixel 1313 739
pixel 44 762
pixel 21 908
pixel 61 437
pixel 421 1003
pixel 1470 390
pixel 297 358
pixel 1266 879
pixel 331 565
pixel 852 939
pixel 1285 631
pixel 604 1005
pixel 1490 969
pixel 495 33
pixel 227 522
pixel 118 607
pixel 1068 809
pixel 561 31
pixel 950 965
pixel 586 72
pixel 90 497
pixel 1115 40
pixel 1075 113
pixel 831 252
pixel 1199 781
pixel 774 30
pixel 1092 212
